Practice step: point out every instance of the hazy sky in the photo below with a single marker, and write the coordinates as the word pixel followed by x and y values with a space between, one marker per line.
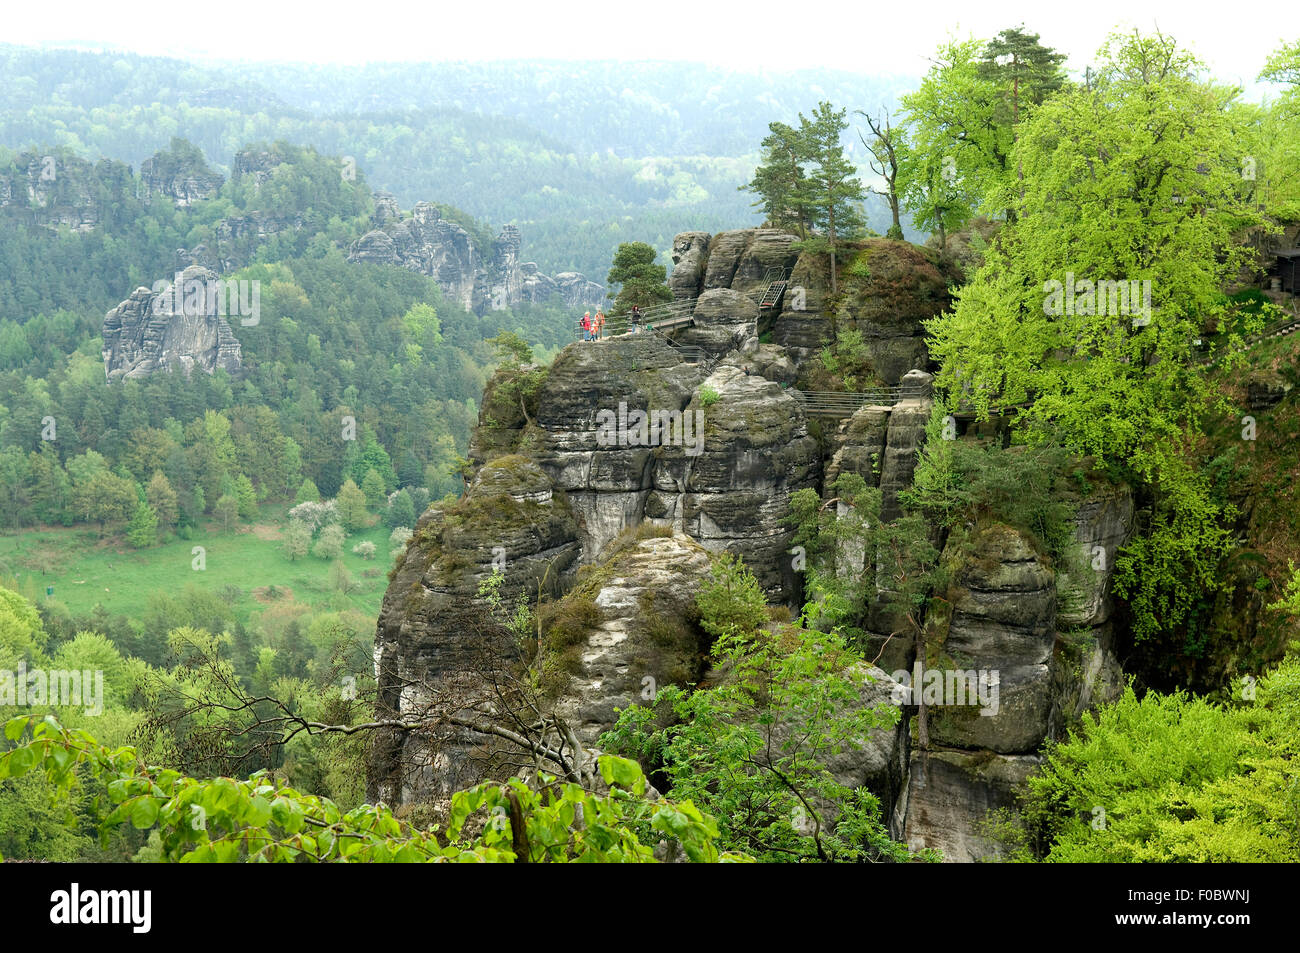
pixel 866 36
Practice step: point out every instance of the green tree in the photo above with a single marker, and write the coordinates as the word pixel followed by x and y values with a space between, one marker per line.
pixel 162 498
pixel 960 150
pixel 511 349
pixel 352 507
pixel 731 603
pixel 263 819
pixel 1175 779
pixel 35 822
pixel 933 193
pixel 779 179
pixel 226 509
pixel 1141 245
pixel 832 194
pixel 422 327
pixel 104 498
pixel 307 493
pixel 246 497
pixel 22 635
pixel 1271 165
pixel 1022 71
pixel 401 511
pixel 374 457
pixel 643 283
pixel 373 488
pixel 142 530
pixel 966 116
pixel 758 746
pixel 49 490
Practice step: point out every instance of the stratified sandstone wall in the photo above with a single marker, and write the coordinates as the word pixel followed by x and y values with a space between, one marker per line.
pixel 638 518
pixel 164 331
pixel 491 280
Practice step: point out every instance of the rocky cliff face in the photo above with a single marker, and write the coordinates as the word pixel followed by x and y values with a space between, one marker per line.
pixel 180 327
pixel 887 290
pixel 593 489
pixel 431 642
pixel 478 281
pixel 62 190
pixel 180 178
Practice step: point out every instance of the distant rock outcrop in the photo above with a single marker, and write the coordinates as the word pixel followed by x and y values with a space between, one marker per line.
pixel 179 327
pixel 478 280
pixel 60 190
pixel 180 175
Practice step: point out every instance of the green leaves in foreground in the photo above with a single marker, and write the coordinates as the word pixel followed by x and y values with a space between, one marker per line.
pixel 261 819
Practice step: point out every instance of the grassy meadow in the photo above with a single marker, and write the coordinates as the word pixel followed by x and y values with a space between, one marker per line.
pixel 245 565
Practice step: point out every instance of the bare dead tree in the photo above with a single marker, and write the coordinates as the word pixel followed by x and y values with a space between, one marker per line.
pixel 884 148
pixel 492 709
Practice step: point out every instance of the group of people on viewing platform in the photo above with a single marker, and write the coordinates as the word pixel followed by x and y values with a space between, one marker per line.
pixel 593 327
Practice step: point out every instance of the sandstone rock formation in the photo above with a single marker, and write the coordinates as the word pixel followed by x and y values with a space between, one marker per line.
pixel 179 176
pixel 725 320
pixel 642 635
pixel 948 796
pixel 1016 619
pixel 905 285
pixel 734 495
pixel 172 329
pixel 626 521
pixel 690 254
pixel 478 280
pixel 57 190
pixel 431 641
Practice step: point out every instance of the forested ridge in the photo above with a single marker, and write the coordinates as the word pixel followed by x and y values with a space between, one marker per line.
pixel 581 156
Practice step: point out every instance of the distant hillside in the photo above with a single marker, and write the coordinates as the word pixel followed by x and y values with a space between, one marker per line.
pixel 580 156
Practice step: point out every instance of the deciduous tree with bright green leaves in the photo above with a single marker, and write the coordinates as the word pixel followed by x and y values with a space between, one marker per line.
pixel 1166 778
pixel 965 118
pixel 959 148
pixel 263 819
pixel 352 506
pixel 1086 309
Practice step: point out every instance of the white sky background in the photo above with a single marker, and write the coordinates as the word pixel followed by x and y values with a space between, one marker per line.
pixel 868 36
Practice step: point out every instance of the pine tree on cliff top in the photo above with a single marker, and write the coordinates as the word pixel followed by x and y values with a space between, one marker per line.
pixel 643 282
pixel 832 194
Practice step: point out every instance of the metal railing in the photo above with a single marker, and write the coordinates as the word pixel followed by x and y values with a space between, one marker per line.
pixel 1276 330
pixel 690 353
pixel 842 404
pixel 665 317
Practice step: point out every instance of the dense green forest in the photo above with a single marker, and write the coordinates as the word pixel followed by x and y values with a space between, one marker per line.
pixel 358 382
pixel 249 706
